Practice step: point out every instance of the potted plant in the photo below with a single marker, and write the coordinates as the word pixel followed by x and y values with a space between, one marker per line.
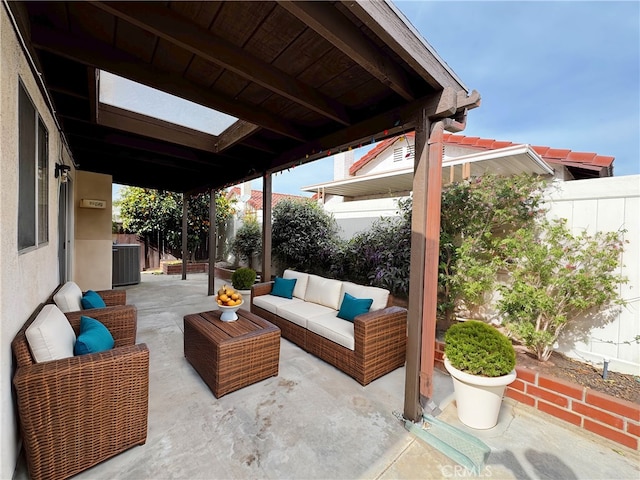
pixel 243 279
pixel 481 361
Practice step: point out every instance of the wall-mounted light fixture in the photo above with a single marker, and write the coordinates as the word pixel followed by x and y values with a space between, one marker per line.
pixel 62 171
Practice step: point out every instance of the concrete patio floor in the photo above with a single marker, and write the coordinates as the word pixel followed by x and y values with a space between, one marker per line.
pixel 314 422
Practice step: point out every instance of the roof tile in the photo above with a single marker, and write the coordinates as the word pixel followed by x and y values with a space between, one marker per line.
pixel 586 160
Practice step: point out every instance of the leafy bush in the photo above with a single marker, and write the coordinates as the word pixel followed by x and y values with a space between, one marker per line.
pixel 379 256
pixel 304 236
pixel 243 278
pixel 555 277
pixel 476 215
pixel 479 349
pixel 248 240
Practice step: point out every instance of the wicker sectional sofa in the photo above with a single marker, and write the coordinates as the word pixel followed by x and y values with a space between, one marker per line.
pixel 373 345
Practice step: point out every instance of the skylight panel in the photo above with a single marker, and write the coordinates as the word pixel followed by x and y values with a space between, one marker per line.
pixel 129 95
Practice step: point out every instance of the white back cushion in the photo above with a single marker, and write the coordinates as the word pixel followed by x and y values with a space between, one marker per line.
pixel 50 335
pixel 301 282
pixel 323 291
pixel 68 298
pixel 380 296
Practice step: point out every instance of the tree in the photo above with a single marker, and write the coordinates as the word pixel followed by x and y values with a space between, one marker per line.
pixel 155 215
pixel 248 240
pixel 555 279
pixel 476 214
pixel 303 236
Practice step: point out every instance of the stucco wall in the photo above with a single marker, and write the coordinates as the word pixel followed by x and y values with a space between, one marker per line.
pixel 26 279
pixel 93 241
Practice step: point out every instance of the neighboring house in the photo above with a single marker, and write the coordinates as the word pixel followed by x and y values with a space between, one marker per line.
pixel 249 202
pixel 587 195
pixel 368 188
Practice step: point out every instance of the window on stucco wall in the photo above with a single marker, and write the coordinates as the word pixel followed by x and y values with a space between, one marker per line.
pixel 33 160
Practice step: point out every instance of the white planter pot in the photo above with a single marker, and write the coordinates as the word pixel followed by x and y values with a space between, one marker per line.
pixel 246 294
pixel 478 398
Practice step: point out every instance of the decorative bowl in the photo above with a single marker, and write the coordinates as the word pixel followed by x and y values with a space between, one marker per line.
pixel 229 313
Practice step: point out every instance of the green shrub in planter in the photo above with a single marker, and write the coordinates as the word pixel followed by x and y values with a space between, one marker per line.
pixel 243 278
pixel 479 349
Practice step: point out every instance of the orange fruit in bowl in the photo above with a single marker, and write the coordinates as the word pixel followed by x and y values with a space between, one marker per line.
pixel 223 298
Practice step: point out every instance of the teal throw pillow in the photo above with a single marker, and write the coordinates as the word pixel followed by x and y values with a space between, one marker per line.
pixel 352 307
pixel 92 300
pixel 94 337
pixel 283 287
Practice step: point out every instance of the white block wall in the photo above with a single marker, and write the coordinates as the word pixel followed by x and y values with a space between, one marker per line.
pixel 607 204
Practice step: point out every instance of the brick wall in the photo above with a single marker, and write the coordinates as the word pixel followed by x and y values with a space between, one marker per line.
pixel 607 416
pixel 176 269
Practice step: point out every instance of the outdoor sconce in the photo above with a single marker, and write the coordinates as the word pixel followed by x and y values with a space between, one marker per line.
pixel 62 171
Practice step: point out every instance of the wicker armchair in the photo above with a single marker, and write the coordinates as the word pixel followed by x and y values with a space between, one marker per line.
pixel 78 411
pixel 111 298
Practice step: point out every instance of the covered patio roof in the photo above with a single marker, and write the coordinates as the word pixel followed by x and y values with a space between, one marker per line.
pixel 504 161
pixel 302 78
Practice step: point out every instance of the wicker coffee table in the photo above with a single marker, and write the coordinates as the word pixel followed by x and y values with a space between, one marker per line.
pixel 231 355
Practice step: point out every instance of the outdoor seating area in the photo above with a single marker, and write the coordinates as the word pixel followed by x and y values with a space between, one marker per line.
pixel 350 326
pixel 76 411
pixel 309 421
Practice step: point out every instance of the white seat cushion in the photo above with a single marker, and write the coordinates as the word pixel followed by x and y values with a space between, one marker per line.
pixel 270 303
pixel 334 329
pixel 300 313
pixel 69 297
pixel 50 335
pixel 380 296
pixel 301 282
pixel 324 291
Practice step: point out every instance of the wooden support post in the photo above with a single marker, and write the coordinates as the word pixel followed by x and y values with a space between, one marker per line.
pixel 213 235
pixel 266 227
pixel 432 255
pixel 185 233
pixel 412 408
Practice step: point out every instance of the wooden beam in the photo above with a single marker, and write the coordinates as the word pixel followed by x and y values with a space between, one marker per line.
pixel 94 93
pixel 388 23
pixel 212 242
pixel 185 233
pixel 133 122
pixel 110 137
pixel 170 26
pixel 323 18
pixel 267 188
pixel 94 53
pixel 438 105
pixel 431 261
pixel 412 408
pixel 235 133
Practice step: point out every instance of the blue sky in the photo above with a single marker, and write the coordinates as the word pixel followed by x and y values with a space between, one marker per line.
pixel 559 73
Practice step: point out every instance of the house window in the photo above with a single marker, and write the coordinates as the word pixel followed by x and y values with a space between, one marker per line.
pixel 398 154
pixel 33 181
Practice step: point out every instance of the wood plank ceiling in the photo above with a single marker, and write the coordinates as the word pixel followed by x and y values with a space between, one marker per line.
pixel 303 78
